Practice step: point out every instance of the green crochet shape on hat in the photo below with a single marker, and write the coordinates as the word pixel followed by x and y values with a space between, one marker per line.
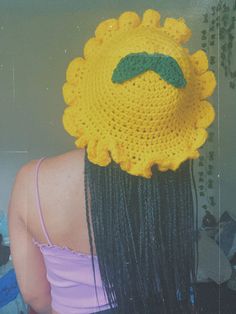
pixel 136 63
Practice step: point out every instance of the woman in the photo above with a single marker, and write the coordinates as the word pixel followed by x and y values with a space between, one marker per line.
pixel 64 216
pixel 111 225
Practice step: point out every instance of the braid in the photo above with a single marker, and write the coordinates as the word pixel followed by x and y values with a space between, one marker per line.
pixel 144 237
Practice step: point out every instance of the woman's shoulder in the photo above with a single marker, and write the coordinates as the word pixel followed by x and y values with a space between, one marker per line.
pixel 62 163
pixel 55 171
pixel 66 162
pixel 56 175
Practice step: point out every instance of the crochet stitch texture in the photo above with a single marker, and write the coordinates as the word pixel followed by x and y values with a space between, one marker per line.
pixel 136 63
pixel 144 119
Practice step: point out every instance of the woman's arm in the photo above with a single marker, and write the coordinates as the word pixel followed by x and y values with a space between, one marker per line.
pixel 27 259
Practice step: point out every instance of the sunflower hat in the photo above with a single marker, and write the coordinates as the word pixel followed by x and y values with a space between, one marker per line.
pixel 137 96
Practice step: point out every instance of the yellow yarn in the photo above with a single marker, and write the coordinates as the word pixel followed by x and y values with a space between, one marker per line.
pixel 145 120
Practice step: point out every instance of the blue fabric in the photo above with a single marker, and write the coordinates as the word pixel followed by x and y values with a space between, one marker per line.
pixel 8 288
pixel 192 297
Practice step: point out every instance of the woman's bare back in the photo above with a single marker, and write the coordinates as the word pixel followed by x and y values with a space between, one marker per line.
pixel 61 189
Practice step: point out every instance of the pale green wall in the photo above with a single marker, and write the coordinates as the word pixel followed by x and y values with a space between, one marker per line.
pixel 37 40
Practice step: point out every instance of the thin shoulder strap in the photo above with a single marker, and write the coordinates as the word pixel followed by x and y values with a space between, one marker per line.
pixel 38 203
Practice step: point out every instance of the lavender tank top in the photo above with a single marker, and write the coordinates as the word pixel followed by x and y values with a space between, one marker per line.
pixel 70 273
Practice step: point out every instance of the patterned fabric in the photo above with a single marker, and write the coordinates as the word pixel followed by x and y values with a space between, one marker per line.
pixel 8 288
pixel 137 96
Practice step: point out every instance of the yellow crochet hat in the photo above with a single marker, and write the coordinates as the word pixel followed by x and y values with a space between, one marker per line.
pixel 137 96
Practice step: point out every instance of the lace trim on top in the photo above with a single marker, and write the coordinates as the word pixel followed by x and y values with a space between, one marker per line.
pixel 63 248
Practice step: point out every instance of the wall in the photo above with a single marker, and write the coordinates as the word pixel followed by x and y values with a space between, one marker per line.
pixel 37 41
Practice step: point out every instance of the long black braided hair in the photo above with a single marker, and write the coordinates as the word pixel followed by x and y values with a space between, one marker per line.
pixel 144 237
